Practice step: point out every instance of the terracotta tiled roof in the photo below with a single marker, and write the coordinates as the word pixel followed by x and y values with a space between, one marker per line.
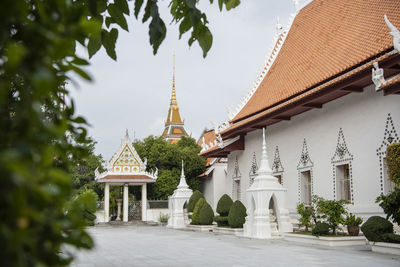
pixel 390 82
pixel 209 136
pixel 304 95
pixel 327 38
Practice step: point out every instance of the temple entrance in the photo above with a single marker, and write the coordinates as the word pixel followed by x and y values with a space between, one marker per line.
pixel 273 219
pixel 125 169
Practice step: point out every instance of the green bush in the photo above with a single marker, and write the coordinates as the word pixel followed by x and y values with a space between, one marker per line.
pixel 391 205
pixel 221 220
pixel 193 200
pixel 237 215
pixel 375 227
pixel 332 211
pixel 305 213
pixel 321 228
pixel 393 162
pixel 352 220
pixel 224 205
pixel 206 215
pixel 196 211
pixel 391 238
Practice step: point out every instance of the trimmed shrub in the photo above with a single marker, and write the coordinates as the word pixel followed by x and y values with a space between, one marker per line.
pixel 237 215
pixel 193 200
pixel 393 162
pixel 375 227
pixel 391 238
pixel 196 211
pixel 221 220
pixel 224 205
pixel 321 228
pixel 206 214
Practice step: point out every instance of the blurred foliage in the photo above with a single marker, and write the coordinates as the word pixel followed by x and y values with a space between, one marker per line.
pixel 332 211
pixel 83 206
pixel 167 158
pixel 39 129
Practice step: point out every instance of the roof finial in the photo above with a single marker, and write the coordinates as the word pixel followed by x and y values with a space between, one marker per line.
pixel 126 134
pixel 173 97
pixel 182 182
pixel 264 164
pixel 279 27
pixel 395 33
pixel 296 5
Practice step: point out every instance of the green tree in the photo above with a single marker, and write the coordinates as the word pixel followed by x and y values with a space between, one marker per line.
pixel 82 170
pixel 39 127
pixel 167 158
pixel 332 211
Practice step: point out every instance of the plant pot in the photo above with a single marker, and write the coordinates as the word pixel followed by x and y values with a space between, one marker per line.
pixel 353 230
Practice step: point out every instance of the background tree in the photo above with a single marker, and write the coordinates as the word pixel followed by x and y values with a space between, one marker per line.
pixel 167 158
pixel 37 56
pixel 82 170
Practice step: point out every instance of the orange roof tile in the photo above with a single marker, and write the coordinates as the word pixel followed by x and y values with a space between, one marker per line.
pixel 327 38
pixel 209 137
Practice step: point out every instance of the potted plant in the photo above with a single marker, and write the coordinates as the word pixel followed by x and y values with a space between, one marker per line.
pixel 353 224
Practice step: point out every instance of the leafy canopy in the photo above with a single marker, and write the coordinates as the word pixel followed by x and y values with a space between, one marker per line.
pixel 167 158
pixel 39 128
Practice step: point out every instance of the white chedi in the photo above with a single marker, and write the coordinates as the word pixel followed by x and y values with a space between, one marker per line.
pixel 267 212
pixel 176 203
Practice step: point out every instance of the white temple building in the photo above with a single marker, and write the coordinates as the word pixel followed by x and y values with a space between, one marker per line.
pixel 328 95
pixel 125 169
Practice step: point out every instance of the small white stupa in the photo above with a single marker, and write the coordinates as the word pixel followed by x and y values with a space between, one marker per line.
pixel 267 213
pixel 176 203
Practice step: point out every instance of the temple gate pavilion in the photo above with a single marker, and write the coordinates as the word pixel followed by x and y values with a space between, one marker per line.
pixel 125 169
pixel 174 125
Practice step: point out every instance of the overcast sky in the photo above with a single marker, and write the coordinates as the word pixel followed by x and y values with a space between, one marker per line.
pixel 134 92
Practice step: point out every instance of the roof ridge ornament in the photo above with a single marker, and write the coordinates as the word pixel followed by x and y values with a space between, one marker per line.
pixel 296 6
pixel 395 33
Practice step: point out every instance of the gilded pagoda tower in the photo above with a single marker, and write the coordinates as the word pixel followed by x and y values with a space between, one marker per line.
pixel 174 125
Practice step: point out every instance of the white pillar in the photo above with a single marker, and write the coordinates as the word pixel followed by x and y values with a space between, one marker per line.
pixel 125 206
pixel 119 210
pixel 106 202
pixel 144 202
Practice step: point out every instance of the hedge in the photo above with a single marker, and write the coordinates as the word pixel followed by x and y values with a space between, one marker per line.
pixel 321 228
pixel 237 215
pixel 206 214
pixel 224 205
pixel 221 220
pixel 375 227
pixel 196 211
pixel 193 200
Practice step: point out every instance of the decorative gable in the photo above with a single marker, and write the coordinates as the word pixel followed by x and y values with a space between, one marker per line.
pixel 236 171
pixel 277 165
pixel 341 153
pixel 305 160
pixel 126 160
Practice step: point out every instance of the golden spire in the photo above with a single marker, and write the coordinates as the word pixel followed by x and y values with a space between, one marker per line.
pixel 174 103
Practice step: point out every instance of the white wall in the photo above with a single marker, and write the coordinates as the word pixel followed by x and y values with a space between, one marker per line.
pixel 214 187
pixel 362 117
pixel 154 214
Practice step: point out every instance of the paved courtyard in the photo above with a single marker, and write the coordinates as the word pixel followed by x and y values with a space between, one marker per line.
pixel 142 245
